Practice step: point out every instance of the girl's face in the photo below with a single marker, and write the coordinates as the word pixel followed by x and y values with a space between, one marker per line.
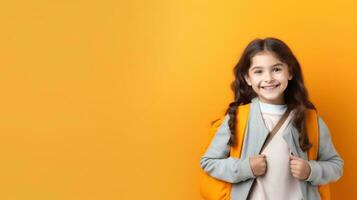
pixel 268 77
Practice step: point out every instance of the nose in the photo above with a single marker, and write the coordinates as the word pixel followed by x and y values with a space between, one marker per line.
pixel 268 77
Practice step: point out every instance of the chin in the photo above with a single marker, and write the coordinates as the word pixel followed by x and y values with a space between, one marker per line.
pixel 271 99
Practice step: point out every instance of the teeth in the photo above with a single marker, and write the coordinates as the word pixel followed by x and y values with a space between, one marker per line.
pixel 270 87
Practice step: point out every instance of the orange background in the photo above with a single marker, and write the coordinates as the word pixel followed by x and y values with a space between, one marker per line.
pixel 113 99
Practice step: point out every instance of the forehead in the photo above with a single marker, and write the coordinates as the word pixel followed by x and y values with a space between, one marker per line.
pixel 264 59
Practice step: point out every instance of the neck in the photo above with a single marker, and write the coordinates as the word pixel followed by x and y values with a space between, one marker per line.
pixel 274 102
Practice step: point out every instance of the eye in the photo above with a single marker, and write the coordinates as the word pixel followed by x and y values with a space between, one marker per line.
pixel 257 72
pixel 277 69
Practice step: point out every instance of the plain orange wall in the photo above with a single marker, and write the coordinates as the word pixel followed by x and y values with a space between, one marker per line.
pixel 113 99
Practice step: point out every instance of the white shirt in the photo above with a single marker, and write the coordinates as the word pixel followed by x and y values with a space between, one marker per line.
pixel 277 183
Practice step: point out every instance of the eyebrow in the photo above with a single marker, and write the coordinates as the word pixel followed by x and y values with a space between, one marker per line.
pixel 277 64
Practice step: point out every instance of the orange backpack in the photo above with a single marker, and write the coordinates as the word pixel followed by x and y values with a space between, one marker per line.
pixel 214 189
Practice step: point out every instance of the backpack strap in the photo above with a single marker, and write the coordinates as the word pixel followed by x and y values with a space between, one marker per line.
pixel 243 115
pixel 312 126
pixel 214 189
pixel 313 133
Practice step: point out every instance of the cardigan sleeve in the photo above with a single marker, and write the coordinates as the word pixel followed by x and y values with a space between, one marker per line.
pixel 217 163
pixel 329 165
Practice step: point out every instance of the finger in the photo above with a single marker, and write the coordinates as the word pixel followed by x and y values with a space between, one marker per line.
pixel 264 164
pixel 263 169
pixel 261 165
pixel 298 168
pixel 294 157
pixel 295 171
pixel 263 159
pixel 295 176
pixel 294 167
pixel 297 158
pixel 295 162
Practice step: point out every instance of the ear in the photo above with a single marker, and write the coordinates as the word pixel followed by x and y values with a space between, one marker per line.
pixel 290 74
pixel 247 79
pixel 290 77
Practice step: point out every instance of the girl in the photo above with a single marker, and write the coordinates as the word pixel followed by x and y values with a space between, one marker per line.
pixel 269 77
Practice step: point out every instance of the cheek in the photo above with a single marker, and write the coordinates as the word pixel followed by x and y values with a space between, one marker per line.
pixel 255 86
pixel 284 77
pixel 255 80
pixel 284 82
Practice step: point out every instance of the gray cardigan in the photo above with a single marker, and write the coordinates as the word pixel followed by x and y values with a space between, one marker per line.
pixel 217 163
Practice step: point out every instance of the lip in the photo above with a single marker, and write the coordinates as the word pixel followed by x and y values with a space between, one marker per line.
pixel 270 86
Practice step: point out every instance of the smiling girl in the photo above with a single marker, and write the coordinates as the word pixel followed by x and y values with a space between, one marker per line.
pixel 269 78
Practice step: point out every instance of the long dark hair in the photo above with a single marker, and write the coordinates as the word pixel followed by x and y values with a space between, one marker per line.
pixel 296 95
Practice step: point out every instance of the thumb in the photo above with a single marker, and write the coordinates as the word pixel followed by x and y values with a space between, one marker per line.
pixel 294 157
pixel 262 155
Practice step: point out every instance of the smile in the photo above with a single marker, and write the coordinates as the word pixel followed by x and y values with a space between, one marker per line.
pixel 270 87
